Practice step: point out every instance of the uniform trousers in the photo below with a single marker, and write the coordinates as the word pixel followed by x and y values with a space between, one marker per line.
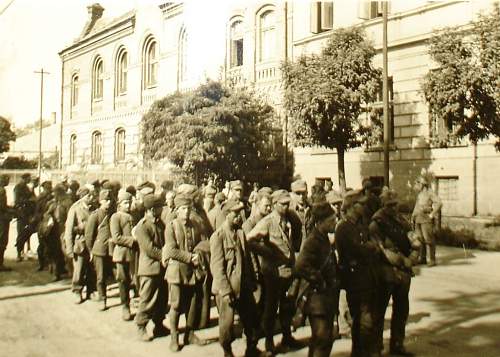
pixel 400 309
pixel 275 296
pixel 4 238
pixel 124 280
pixel 246 308
pixel 152 299
pixel 83 275
pixel 321 335
pixel 187 299
pixel 103 270
pixel 24 231
pixel 426 234
pixel 362 305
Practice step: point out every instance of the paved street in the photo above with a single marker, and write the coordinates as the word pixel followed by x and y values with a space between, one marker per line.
pixel 455 311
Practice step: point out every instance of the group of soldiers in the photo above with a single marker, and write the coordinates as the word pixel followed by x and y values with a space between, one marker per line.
pixel 277 256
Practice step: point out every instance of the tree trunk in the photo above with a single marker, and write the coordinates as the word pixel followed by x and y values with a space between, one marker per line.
pixel 341 169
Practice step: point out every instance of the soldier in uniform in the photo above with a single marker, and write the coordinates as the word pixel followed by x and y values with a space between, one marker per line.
pixel 120 225
pixel 208 198
pixel 185 290
pixel 25 206
pixel 372 201
pixel 235 194
pixel 299 205
pixel 391 230
pixel 274 233
pixel 358 259
pixel 74 236
pixel 41 206
pixel 316 263
pixel 97 240
pixel 426 210
pixel 6 214
pixel 168 210
pixel 216 210
pixel 149 233
pixel 233 281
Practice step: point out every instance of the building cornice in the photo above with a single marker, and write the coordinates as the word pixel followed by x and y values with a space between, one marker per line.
pixel 108 31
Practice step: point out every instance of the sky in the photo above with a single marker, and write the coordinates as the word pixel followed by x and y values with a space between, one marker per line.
pixel 32 32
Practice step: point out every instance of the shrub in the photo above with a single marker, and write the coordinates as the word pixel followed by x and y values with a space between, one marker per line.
pixel 459 238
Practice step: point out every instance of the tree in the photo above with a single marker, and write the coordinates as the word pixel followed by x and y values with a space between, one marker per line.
pixel 326 94
pixel 464 90
pixel 6 134
pixel 217 131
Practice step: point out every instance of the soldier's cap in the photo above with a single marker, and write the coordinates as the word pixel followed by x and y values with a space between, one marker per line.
pixel 389 197
pixel 26 175
pixel 187 189
pixel 83 191
pixel 96 183
pixel 104 195
pixel 321 210
pixel 115 185
pixel 46 184
pixel 107 185
pixel 165 184
pixel 352 197
pixel 210 191
pixel 59 189
pixel 281 196
pixel 236 184
pixel 334 197
pixel 124 196
pixel 74 185
pixel 233 206
pixel 151 201
pixel 146 184
pixel 131 189
pixel 146 191
pixel 219 197
pixel 183 200
pixel 265 190
pixel 366 183
pixel 299 186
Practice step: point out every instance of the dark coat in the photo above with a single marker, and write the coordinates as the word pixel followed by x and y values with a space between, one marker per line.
pixel 120 225
pixel 178 251
pixel 98 234
pixel 149 236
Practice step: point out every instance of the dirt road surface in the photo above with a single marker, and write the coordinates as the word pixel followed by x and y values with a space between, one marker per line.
pixel 454 311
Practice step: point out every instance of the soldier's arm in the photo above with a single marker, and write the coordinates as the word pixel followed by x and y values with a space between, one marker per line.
pixel 436 205
pixel 217 264
pixel 91 231
pixel 296 230
pixel 258 232
pixel 305 267
pixel 117 236
pixel 68 231
pixel 347 242
pixel 146 243
pixel 171 249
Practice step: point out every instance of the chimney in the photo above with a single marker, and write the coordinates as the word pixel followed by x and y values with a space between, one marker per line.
pixel 95 13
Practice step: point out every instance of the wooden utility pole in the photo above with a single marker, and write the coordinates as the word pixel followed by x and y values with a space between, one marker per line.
pixel 385 95
pixel 42 73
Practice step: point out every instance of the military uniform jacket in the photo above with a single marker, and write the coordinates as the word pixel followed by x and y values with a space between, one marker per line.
pixel 6 212
pixel 275 236
pixel 149 234
pixel 98 234
pixel 120 225
pixel 427 202
pixel 358 258
pixel 180 241
pixel 229 262
pixel 23 198
pixel 213 216
pixel 74 232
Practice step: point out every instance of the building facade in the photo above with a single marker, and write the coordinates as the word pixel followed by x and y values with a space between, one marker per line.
pixel 117 68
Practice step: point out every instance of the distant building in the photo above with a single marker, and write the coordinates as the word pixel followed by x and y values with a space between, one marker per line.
pixel 117 68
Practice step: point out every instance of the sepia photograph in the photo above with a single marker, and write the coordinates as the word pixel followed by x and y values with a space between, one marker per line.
pixel 249 178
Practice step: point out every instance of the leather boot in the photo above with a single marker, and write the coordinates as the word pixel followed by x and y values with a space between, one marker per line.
pixel 142 334
pixel 126 313
pixel 174 332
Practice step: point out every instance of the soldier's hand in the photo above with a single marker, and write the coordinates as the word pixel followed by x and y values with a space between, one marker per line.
pixel 195 259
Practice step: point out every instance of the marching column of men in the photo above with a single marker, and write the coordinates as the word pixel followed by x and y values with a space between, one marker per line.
pixel 285 259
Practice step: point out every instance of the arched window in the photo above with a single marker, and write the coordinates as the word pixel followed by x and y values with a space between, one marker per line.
pixel 121 72
pixel 183 56
pixel 96 148
pixel 267 36
pixel 236 45
pixel 72 149
pixel 97 79
pixel 119 145
pixel 74 91
pixel 150 63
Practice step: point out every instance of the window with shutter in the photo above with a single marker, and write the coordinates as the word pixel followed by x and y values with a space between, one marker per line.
pixel 321 18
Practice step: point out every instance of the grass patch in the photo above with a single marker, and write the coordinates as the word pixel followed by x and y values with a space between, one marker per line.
pixel 459 238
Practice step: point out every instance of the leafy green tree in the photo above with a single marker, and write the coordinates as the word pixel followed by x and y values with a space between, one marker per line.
pixel 464 90
pixel 326 94
pixel 6 134
pixel 217 131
